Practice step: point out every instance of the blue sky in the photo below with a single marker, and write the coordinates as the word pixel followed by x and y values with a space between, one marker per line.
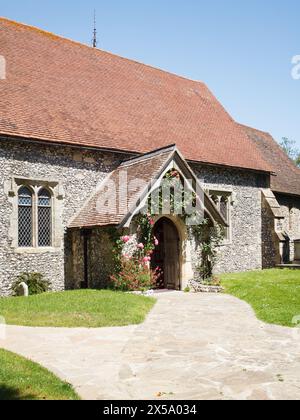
pixel 241 49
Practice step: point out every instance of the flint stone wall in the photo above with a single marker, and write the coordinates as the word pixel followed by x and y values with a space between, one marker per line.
pixel 77 171
pixel 100 259
pixel 270 240
pixel 243 251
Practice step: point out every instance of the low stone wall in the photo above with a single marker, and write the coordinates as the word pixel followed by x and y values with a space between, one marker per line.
pixel 203 288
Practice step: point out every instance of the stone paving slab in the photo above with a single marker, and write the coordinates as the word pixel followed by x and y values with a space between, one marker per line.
pixel 192 346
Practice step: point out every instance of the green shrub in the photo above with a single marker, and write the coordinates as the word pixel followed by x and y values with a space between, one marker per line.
pixel 135 275
pixel 36 283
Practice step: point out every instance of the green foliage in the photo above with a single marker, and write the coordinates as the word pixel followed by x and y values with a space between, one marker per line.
pixel 115 237
pixel 209 238
pixel 145 225
pixel 35 281
pixel 171 195
pixel 289 147
pixel 135 275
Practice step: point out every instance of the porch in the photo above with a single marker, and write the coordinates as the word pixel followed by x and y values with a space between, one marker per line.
pixel 160 185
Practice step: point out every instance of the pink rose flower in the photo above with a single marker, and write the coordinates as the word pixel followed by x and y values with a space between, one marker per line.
pixel 125 239
pixel 140 246
pixel 156 242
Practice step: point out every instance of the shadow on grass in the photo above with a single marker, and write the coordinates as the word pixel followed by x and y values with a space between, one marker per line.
pixel 13 394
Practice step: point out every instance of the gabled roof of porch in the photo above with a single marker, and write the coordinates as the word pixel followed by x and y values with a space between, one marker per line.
pixel 146 169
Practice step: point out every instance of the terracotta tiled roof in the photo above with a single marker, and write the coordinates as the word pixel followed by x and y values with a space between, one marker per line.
pixel 62 91
pixel 287 178
pixel 148 169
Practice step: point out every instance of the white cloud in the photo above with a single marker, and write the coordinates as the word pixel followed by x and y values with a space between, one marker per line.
pixel 296 68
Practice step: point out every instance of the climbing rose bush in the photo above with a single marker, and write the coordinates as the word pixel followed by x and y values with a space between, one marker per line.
pixel 133 272
pixel 135 275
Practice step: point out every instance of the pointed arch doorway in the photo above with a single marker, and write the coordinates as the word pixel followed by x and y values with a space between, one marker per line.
pixel 167 255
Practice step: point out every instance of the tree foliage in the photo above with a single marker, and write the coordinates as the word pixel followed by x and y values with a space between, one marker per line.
pixel 290 148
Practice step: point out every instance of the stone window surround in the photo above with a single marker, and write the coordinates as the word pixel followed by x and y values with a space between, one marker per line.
pixel 229 195
pixel 35 185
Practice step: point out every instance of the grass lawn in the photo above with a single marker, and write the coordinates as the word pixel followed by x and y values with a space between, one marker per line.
pixel 83 308
pixel 273 294
pixel 21 379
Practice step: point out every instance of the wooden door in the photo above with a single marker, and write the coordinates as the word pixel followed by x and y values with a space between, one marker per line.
pixel 166 255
